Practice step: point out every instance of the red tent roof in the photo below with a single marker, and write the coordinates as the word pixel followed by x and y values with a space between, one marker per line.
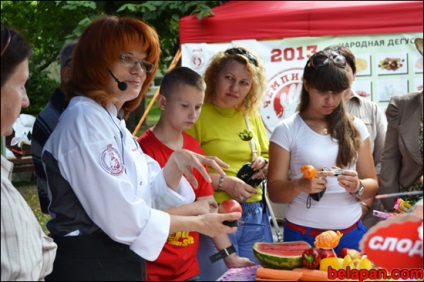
pixel 237 20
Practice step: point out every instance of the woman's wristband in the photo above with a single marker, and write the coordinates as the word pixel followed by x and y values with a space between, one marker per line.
pixel 222 254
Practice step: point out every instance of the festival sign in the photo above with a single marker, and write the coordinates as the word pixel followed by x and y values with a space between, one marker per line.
pixel 387 65
pixel 394 243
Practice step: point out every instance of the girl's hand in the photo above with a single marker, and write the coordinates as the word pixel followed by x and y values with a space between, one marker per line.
pixel 317 183
pixel 349 181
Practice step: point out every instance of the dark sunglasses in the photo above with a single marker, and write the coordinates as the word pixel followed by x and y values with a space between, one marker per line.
pixel 239 51
pixel 323 58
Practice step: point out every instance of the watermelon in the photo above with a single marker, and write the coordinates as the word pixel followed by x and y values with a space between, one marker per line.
pixel 281 255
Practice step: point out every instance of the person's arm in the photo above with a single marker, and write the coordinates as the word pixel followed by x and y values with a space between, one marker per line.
pixel 391 158
pixel 381 129
pixel 280 188
pixel 232 185
pixel 364 174
pixel 233 260
pixel 209 224
pixel 198 207
pixel 36 149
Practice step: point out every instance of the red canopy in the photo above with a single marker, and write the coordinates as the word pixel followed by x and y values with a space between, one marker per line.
pixel 237 20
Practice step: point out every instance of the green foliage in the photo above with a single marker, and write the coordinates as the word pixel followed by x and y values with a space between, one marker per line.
pixel 164 16
pixel 39 87
pixel 49 24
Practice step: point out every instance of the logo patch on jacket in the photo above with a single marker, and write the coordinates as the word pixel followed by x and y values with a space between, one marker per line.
pixel 111 161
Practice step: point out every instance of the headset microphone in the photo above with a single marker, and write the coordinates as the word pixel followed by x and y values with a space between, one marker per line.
pixel 122 85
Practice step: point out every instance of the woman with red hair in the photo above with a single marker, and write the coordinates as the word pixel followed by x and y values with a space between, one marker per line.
pixel 106 194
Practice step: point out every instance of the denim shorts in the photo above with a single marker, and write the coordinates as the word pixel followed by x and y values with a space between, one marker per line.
pixel 255 228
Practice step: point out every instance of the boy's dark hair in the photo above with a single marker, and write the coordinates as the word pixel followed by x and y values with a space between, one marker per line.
pixel 181 76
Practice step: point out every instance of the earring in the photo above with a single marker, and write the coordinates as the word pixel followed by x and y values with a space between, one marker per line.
pixel 213 93
pixel 246 102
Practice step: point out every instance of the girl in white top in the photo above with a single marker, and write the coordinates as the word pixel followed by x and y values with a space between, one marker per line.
pixel 322 134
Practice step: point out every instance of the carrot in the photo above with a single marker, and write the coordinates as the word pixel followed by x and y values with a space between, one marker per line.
pixel 268 273
pixel 312 274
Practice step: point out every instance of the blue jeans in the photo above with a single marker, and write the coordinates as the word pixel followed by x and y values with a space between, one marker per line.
pixel 348 240
pixel 256 228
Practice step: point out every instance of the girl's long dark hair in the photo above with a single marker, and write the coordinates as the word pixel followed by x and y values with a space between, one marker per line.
pixel 330 77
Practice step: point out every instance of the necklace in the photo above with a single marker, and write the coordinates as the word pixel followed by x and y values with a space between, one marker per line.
pixel 319 129
pixel 315 124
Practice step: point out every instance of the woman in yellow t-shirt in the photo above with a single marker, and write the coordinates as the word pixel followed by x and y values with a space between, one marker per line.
pixel 235 81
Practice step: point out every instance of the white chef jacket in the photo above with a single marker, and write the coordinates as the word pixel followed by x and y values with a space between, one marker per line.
pixel 98 177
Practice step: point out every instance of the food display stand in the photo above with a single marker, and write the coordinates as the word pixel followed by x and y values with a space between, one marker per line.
pixel 394 246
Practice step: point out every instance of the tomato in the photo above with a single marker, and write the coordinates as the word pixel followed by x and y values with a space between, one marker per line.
pixel 327 254
pixel 311 258
pixel 229 206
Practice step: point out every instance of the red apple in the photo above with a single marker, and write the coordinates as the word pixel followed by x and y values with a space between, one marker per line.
pixel 229 206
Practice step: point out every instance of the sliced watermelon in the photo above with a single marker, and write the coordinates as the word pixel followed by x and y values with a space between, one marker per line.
pixel 281 255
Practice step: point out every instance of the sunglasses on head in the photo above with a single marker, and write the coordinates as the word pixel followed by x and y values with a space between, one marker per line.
pixel 239 51
pixel 9 36
pixel 323 58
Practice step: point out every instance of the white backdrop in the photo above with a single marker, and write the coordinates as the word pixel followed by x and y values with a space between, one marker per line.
pixel 285 59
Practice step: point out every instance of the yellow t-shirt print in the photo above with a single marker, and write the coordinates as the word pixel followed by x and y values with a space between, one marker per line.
pixel 181 239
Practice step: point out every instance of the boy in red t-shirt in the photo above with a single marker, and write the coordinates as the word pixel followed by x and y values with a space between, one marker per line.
pixel 180 100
